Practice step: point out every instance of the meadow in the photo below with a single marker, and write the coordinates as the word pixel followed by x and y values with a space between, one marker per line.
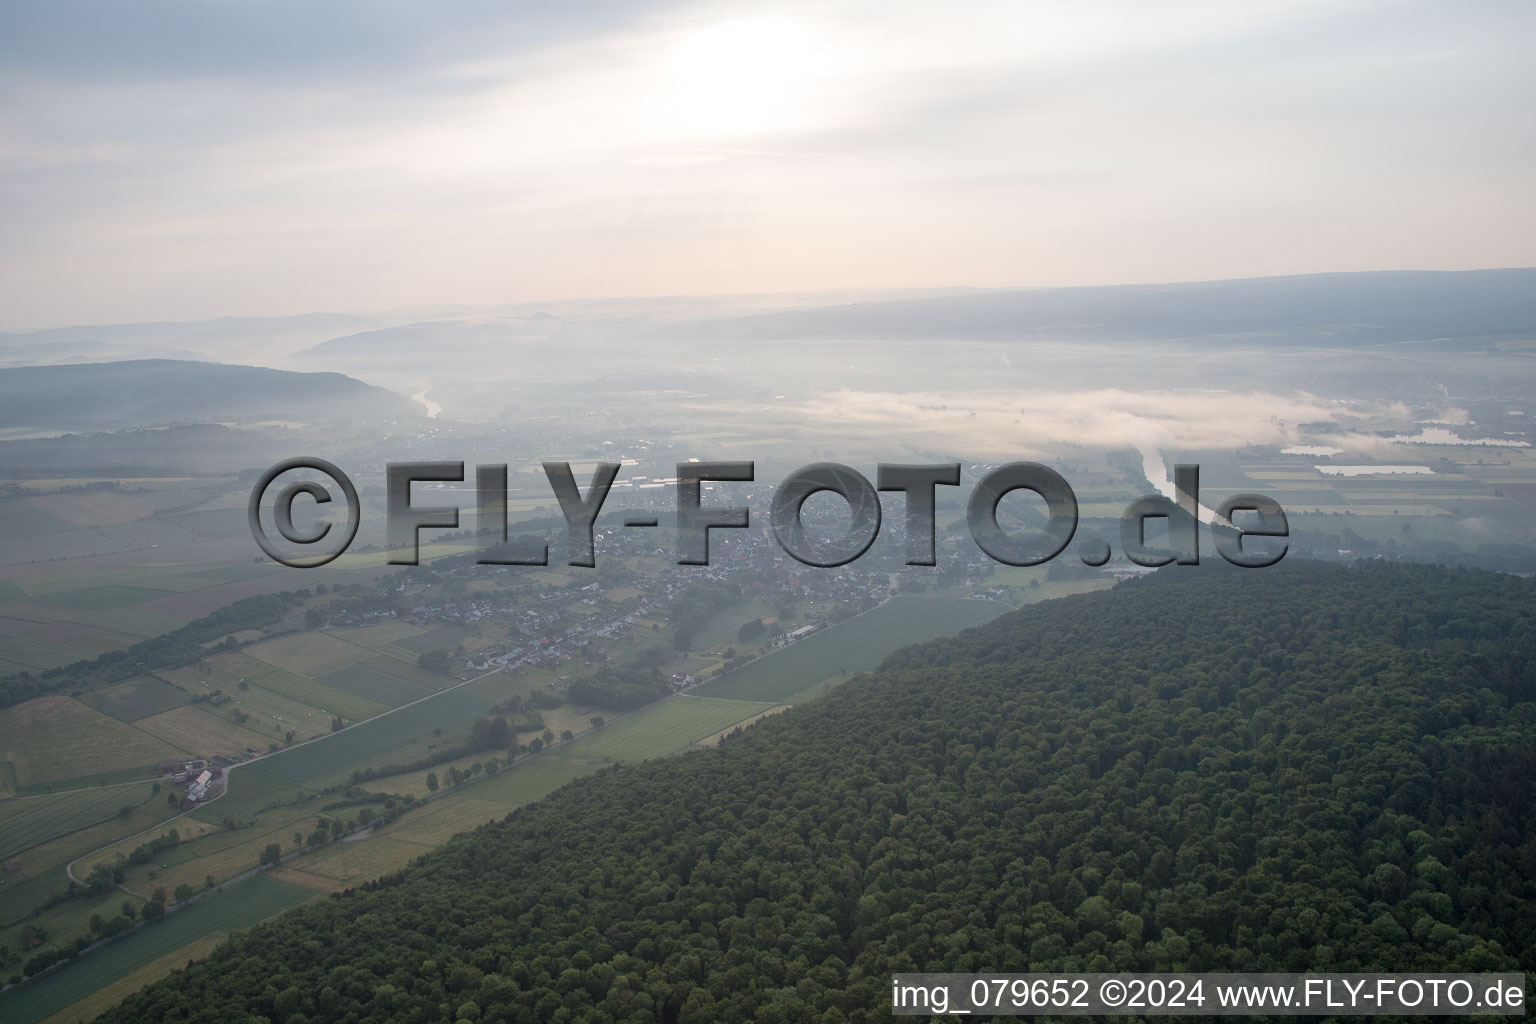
pixel 385 680
pixel 857 645
pixel 340 752
pixel 675 724
pixel 140 697
pixel 52 740
pixel 30 821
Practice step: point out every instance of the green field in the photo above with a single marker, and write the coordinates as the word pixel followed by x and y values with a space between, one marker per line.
pixel 250 792
pixel 140 697
pixel 50 740
pixel 240 906
pixel 675 724
pixel 443 637
pixel 532 780
pixel 857 645
pixel 103 598
pixel 309 654
pixel 25 823
pixel 344 750
pixel 385 680
pixel 317 695
pixel 18 654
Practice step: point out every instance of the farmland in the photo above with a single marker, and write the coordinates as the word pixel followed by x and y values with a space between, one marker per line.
pixel 30 821
pixel 201 732
pixel 858 645
pixel 50 738
pixel 341 752
pixel 384 680
pixel 309 654
pixel 240 906
pixel 136 698
pixel 675 724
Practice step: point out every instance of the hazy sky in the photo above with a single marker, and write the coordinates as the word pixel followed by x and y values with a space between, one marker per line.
pixel 184 160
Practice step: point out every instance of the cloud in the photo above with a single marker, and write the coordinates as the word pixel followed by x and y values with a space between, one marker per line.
pixel 173 160
pixel 1007 425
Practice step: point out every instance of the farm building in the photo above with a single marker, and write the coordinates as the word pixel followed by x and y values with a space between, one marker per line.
pixel 199 789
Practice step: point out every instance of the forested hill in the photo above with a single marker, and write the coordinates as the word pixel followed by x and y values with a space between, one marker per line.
pixel 1300 768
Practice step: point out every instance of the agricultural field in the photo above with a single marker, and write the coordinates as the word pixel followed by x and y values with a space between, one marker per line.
pixel 23 654
pixel 386 680
pixel 338 754
pixel 103 999
pixel 720 631
pixel 248 793
pixel 309 693
pixel 62 924
pixel 675 724
pixel 268 713
pixel 140 697
pixel 51 740
pixel 439 637
pixel 237 907
pixel 202 733
pixel 30 821
pixel 219 854
pixel 857 645
pixel 39 871
pixel 345 864
pixel 310 654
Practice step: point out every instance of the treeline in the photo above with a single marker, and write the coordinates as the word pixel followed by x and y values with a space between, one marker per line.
pixel 1302 768
pixel 625 687
pixel 178 647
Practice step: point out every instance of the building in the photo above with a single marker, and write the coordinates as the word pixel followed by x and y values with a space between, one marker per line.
pixel 199 788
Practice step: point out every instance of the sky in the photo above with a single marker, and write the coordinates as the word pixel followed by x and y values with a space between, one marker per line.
pixel 174 161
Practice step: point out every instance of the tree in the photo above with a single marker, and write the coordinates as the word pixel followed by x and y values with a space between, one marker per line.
pixel 535 745
pixel 432 782
pixel 566 735
pixel 490 734
pixel 185 892
pixel 435 660
pixel 272 855
pixel 751 630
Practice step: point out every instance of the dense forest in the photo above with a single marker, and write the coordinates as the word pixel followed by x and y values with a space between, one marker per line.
pixel 1304 768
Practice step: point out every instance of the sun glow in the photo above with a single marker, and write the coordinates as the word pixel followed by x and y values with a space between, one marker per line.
pixel 745 77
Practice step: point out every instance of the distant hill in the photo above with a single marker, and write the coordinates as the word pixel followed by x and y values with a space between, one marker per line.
pixel 151 392
pixel 254 339
pixel 455 334
pixel 1336 309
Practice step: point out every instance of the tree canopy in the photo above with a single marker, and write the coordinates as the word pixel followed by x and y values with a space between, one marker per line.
pixel 1305 768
